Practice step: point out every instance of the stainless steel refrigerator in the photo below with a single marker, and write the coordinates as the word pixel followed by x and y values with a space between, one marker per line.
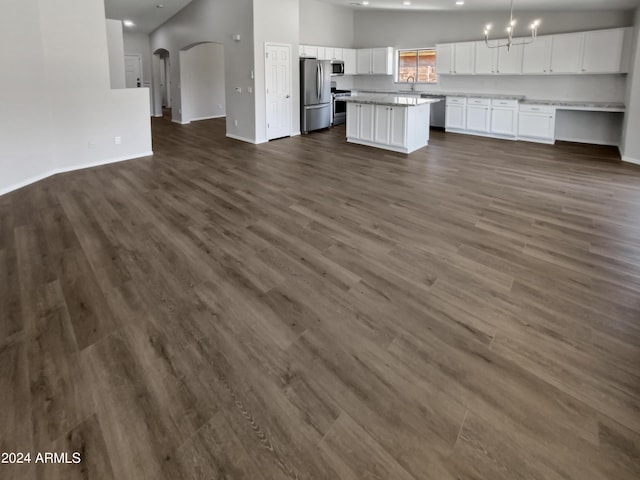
pixel 315 94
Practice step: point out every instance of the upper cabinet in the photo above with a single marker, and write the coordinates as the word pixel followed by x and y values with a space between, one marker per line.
pixel 349 57
pixel 444 58
pixel 595 52
pixel 603 51
pixel 374 61
pixel 463 58
pixel 486 61
pixel 536 57
pixel 566 53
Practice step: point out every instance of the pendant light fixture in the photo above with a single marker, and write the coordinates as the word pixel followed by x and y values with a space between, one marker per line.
pixel 510 31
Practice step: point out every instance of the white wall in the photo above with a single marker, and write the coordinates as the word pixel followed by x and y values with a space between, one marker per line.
pixel 275 21
pixel 59 112
pixel 202 80
pixel 631 139
pixel 115 45
pixel 325 24
pixel 216 21
pixel 426 29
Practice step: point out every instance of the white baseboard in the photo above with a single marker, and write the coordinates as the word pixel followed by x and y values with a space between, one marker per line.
pixel 586 140
pixel 180 122
pixel 56 171
pixel 296 134
pixel 631 160
pixel 244 139
pixel 207 118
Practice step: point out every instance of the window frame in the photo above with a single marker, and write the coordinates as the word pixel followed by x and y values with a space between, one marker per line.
pixel 396 74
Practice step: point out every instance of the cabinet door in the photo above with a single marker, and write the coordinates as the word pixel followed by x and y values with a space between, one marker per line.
pixel 301 51
pixel 463 58
pixel 311 51
pixel 338 54
pixel 536 125
pixel 350 62
pixel 382 124
pixel 444 59
pixel 367 118
pixel 363 65
pixel 398 126
pixel 479 118
pixel 603 51
pixel 510 61
pixel 504 121
pixel 536 56
pixel 353 120
pixel 382 61
pixel 455 117
pixel 329 53
pixel 486 59
pixel 566 53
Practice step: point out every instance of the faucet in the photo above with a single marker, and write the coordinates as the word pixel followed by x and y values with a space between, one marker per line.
pixel 413 82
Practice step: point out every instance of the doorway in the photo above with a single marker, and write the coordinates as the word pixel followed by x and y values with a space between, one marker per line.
pixel 162 82
pixel 278 90
pixel 133 71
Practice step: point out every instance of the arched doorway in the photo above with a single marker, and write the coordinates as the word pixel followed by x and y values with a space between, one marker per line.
pixel 162 71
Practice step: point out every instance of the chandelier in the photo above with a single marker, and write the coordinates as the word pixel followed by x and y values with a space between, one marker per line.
pixel 510 31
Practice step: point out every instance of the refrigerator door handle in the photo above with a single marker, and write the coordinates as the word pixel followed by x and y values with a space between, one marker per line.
pixel 318 81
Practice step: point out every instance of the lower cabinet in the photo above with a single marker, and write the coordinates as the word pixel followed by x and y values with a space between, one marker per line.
pixel 456 116
pixel 537 123
pixel 479 114
pixel 482 116
pixel 397 128
pixel 504 117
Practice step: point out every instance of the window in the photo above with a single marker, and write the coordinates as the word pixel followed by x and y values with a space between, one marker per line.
pixel 417 66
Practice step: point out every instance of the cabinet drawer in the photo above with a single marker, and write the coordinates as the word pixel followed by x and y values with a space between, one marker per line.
pixel 456 101
pixel 538 109
pixel 504 103
pixel 479 101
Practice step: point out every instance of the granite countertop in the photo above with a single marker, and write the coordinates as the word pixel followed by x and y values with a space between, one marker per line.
pixel 389 100
pixel 447 94
pixel 577 104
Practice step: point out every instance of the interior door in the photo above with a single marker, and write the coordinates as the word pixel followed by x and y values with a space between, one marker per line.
pixel 133 71
pixel 278 85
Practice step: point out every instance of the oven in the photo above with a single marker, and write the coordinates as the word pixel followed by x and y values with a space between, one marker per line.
pixel 339 109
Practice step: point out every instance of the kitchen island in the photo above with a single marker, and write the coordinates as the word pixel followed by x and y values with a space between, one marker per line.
pixel 395 122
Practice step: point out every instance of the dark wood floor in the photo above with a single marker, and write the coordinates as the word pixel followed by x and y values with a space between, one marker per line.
pixel 316 310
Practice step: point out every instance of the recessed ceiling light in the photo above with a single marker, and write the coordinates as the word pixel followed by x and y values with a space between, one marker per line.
pixel 128 23
pixel 159 6
pixel 365 2
pixel 406 3
pixel 460 2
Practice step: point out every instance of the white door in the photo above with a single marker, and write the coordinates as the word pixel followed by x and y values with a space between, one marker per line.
pixel 382 122
pixel 382 61
pixel 363 66
pixel 278 85
pixel 478 118
pixel 536 125
pixel 536 56
pixel 349 61
pixel 398 126
pixel 504 121
pixel 133 71
pixel 510 61
pixel 444 59
pixel 456 117
pixel 367 118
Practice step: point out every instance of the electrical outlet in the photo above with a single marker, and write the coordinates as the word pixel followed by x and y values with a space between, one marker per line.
pixel 238 90
pixel 118 140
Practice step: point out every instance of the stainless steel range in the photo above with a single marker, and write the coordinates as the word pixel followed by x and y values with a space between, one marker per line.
pixel 339 109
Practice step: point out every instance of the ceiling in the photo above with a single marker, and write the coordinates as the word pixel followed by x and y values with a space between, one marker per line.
pixel 144 13
pixel 478 5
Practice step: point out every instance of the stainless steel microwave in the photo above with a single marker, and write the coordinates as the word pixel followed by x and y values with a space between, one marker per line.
pixel 337 68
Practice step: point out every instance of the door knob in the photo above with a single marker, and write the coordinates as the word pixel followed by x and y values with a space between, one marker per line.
pixel 288 96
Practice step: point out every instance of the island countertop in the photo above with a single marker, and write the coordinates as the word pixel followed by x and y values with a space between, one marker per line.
pixel 389 100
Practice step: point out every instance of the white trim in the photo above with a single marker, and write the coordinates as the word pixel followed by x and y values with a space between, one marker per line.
pixel 631 160
pixel 242 139
pixel 266 104
pixel 180 122
pixel 586 140
pixel 499 136
pixel 296 134
pixel 57 171
pixel 207 118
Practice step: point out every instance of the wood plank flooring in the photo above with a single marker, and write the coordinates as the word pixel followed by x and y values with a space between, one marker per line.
pixel 310 309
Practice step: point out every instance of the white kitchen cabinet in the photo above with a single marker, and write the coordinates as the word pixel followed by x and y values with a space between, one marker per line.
pixel 536 57
pixel 329 53
pixel 374 61
pixel 444 59
pixel 566 53
pixel 486 59
pixel 338 54
pixel 350 62
pixel 603 51
pixel 504 117
pixel 390 125
pixel 360 121
pixel 536 123
pixel 463 58
pixel 479 114
pixel 456 113
pixel 309 51
pixel 510 61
